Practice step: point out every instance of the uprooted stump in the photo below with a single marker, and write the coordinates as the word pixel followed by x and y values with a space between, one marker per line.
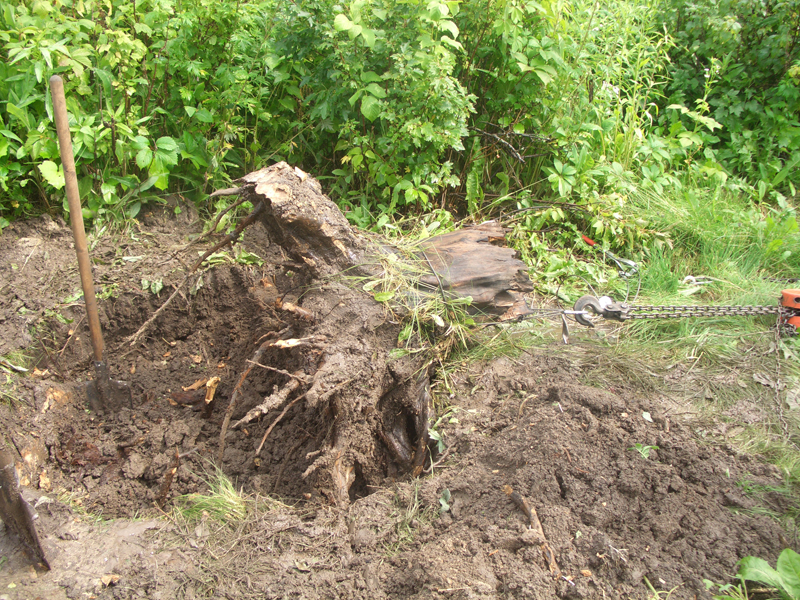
pixel 369 412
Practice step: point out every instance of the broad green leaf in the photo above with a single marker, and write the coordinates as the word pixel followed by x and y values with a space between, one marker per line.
pixel 10 135
pixel 369 37
pixel 451 27
pixel 133 209
pixel 166 157
pixel 452 43
pixel 52 173
pixel 376 90
pixel 789 569
pixel 140 143
pixel 163 181
pixel 190 110
pixel 679 107
pixel 370 76
pixel 47 57
pixel 156 286
pixel 753 568
pixel 762 189
pixel 370 107
pixel 379 13
pixel 384 296
pixel 342 23
pixel 204 115
pixel 785 171
pixel 106 80
pixel 14 110
pixel 354 98
pixel 543 75
pixel 437 10
pixel 142 28
pixel 143 158
pixel 167 144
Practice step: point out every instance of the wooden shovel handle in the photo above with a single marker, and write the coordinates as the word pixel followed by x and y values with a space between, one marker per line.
pixel 76 214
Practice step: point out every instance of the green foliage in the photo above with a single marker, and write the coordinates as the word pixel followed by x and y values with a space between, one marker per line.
pixel 223 502
pixel 571 116
pixel 644 451
pixel 157 93
pixel 444 501
pixel 374 82
pixel 751 48
pixel 785 579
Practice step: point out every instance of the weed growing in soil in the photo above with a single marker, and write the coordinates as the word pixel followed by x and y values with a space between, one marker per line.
pixel 656 595
pixel 75 501
pixel 18 361
pixel 223 502
pixel 643 450
pixel 769 495
pixel 409 516
pixel 444 501
pixel 728 591
pixel 431 318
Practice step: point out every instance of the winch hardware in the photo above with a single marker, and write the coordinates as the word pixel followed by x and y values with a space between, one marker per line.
pixel 787 312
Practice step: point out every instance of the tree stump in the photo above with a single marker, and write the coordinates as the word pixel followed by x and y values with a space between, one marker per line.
pixel 371 411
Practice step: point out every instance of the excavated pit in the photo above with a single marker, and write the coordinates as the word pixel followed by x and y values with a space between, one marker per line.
pixel 610 516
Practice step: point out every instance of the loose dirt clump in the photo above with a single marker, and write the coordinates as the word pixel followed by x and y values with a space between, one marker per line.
pixel 610 516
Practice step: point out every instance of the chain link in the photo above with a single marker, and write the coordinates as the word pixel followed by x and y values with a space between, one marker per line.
pixel 677 312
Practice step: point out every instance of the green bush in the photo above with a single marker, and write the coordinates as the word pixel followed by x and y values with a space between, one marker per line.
pixel 750 47
pixel 160 95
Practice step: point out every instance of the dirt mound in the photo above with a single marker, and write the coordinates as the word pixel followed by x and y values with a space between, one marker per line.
pixel 610 515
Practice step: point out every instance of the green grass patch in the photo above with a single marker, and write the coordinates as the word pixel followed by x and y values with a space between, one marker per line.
pixel 222 503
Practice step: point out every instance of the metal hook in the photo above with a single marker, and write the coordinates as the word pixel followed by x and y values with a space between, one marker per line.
pixel 587 302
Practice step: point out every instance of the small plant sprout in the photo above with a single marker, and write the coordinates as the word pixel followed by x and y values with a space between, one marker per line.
pixel 435 434
pixel 727 591
pixel 643 450
pixel 658 595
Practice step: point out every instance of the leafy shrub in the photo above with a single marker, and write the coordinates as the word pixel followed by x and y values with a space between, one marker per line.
pixel 157 93
pixel 751 46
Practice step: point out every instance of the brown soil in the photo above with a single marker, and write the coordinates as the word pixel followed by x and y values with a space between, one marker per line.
pixel 611 517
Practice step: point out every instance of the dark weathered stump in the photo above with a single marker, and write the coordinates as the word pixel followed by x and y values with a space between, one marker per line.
pixel 334 355
pixel 474 262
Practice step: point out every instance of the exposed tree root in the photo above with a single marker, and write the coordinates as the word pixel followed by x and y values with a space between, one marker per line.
pixel 372 409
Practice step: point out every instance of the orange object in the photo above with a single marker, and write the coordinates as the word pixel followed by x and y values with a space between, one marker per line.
pixel 791 299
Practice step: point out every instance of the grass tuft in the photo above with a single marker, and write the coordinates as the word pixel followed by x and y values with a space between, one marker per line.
pixel 223 502
pixel 408 516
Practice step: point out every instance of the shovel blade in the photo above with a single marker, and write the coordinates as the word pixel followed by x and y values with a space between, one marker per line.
pixel 106 394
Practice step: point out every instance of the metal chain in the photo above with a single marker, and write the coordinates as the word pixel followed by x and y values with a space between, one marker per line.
pixel 677 312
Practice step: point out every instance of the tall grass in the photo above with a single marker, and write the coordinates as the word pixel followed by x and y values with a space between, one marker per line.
pixel 720 365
